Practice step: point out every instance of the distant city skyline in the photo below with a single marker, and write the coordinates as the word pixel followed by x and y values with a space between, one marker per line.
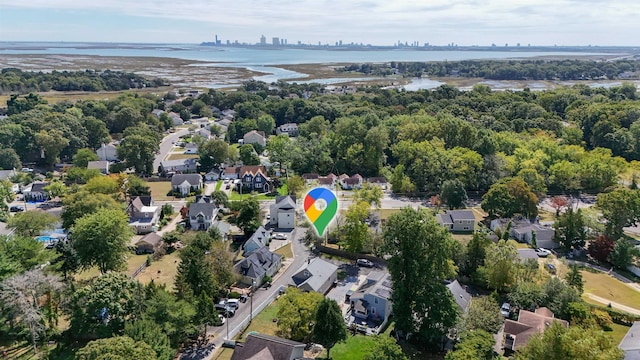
pixel 376 22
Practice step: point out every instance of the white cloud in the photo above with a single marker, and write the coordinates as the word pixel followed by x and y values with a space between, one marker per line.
pixel 384 21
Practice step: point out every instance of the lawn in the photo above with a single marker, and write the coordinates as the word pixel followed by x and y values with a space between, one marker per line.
pixel 218 185
pixel 285 251
pixel 618 332
pixel 605 286
pixel 353 349
pixel 225 354
pixel 133 263
pixel 263 323
pixel 162 271
pixel 174 156
pixel 385 213
pixel 235 196
pixel 159 190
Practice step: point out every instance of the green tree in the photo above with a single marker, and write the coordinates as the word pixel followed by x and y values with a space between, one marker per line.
pixel 83 156
pixel 354 233
pixel 329 328
pixel 280 150
pixel 102 308
pixel 9 159
pixel 623 254
pixel 97 133
pixel 248 155
pixel 55 189
pixel 421 253
pixel 508 197
pixel 6 195
pixel 620 208
pixel 570 229
pixel 248 216
pixel 134 186
pixel 220 198
pixel 50 142
pixel 212 153
pixel 370 194
pixel 453 194
pixel 176 317
pixel 150 333
pixel 500 265
pixel 483 314
pixel 400 182
pixel 476 344
pixel 574 278
pixel 526 295
pixel 558 342
pixel 266 123
pixel 558 296
pixel 384 348
pixel 297 313
pixel 81 203
pixel 116 348
pixel 103 185
pixel 295 185
pixel 31 223
pixel 102 239
pixel 138 152
pixel 476 253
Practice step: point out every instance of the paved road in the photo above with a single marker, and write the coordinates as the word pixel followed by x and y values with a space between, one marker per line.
pixel 165 146
pixel 261 295
pixel 614 304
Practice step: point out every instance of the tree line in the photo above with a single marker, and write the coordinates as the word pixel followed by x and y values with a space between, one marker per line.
pixel 564 70
pixel 14 80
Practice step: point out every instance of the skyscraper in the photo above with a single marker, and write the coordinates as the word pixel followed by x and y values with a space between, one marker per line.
pixel 275 41
pixel 263 40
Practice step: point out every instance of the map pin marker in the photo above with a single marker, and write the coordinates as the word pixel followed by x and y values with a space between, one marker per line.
pixel 320 207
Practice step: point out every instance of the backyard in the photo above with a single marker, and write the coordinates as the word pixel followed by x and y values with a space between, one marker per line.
pixel 162 272
pixel 159 190
pixel 178 156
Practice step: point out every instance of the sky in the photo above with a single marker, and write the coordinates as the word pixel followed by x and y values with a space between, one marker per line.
pixel 377 22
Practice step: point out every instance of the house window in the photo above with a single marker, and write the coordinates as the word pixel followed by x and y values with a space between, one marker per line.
pixel 373 310
pixel 375 300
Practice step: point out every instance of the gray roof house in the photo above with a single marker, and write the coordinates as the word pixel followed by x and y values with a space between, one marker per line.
pixel 103 166
pixel 259 239
pixel 186 183
pixel 461 296
pixel 202 214
pixel 316 275
pixel 36 192
pixel 283 212
pixel 149 244
pixel 265 347
pixel 522 230
pixel 631 343
pixel 517 333
pixel 457 220
pixel 257 265
pixel 7 174
pixel 143 214
pixel 372 301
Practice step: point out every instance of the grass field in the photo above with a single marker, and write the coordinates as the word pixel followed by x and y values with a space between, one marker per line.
pixel 162 271
pixel 385 213
pixel 159 190
pixel 605 286
pixel 263 323
pixel 285 251
pixel 617 332
pixel 353 349
pixel 218 185
pixel 57 96
pixel 235 196
pixel 175 156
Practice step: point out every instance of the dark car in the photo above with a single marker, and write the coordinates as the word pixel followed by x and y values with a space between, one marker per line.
pixel 267 285
pixel 16 209
pixel 243 298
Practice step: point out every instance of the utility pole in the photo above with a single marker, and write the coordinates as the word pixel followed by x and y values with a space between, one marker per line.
pixel 226 311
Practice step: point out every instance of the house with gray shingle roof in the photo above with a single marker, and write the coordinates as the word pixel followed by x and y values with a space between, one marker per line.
pixel 259 239
pixel 186 183
pixel 202 214
pixel 630 344
pixel 316 275
pixel 372 301
pixel 457 220
pixel 257 265
pixel 265 347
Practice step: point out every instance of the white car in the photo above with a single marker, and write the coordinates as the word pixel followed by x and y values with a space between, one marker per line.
pixel 505 309
pixel 280 236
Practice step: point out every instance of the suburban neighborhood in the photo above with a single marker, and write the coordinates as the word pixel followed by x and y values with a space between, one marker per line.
pixel 191 229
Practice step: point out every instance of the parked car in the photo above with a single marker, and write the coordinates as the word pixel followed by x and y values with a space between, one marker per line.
pixel 233 304
pixel 222 320
pixel 243 298
pixel 542 253
pixel 267 285
pixel 551 268
pixel 16 209
pixel 505 309
pixel 364 262
pixel 280 236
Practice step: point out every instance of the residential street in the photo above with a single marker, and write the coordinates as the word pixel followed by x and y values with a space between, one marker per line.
pixel 241 318
pixel 165 146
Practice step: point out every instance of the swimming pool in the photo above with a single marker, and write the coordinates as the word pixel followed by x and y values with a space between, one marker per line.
pixel 44 238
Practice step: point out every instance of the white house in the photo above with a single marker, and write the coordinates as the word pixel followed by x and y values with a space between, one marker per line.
pixel 350 183
pixel 290 129
pixel 283 212
pixel 316 275
pixel 202 214
pixel 212 175
pixel 230 173
pixel 255 137
pixel 186 183
pixel 179 165
pixel 143 214
pixel 107 152
pixel 522 230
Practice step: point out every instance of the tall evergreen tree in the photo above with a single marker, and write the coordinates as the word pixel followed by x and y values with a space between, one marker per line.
pixel 329 328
